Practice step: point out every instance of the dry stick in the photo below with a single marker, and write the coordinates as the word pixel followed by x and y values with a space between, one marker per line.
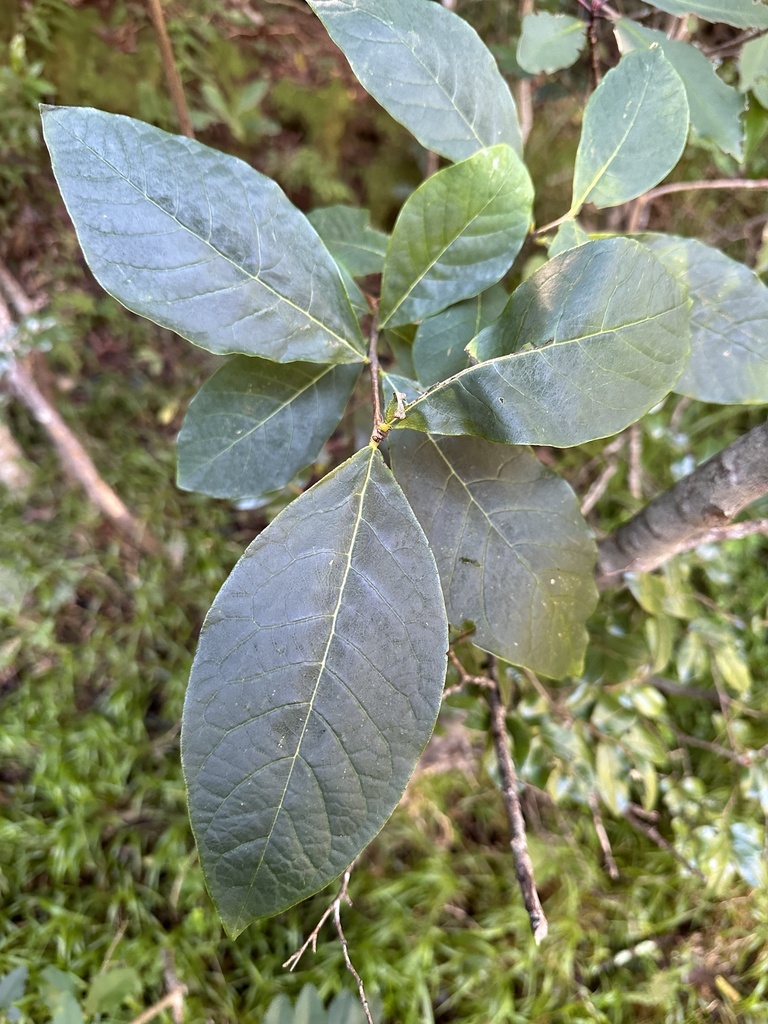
pixel 173 1001
pixel 335 909
pixel 696 186
pixel 172 76
pixel 524 92
pixel 518 842
pixel 76 460
pixel 602 835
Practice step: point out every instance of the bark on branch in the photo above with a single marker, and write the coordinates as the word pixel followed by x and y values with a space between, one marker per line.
pixel 696 507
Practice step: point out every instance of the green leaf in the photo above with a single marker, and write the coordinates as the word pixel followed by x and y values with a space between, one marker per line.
pixel 753 68
pixel 440 342
pixel 597 337
pixel 513 551
pixel 740 13
pixel 198 241
pixel 255 424
pixel 279 1011
pixel 569 235
pixel 12 986
pixel 428 69
pixel 109 990
pixel 350 239
pixel 456 235
pixel 634 131
pixel 309 1008
pixel 715 107
pixel 729 322
pixel 550 42
pixel 611 778
pixel 316 684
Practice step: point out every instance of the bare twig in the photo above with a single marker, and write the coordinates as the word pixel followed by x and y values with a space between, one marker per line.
pixel 715 748
pixel 594 57
pixel 172 76
pixel 638 821
pixel 334 909
pixel 602 835
pixel 75 459
pixel 635 462
pixel 598 488
pixel 173 1001
pixel 524 89
pixel 696 186
pixel 518 841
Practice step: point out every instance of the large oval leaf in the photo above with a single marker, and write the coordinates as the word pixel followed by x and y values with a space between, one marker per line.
pixel 441 340
pixel 351 240
pixel 428 69
pixel 255 424
pixel 514 553
pixel 316 684
pixel 457 234
pixel 198 241
pixel 729 322
pixel 740 13
pixel 715 107
pixel 596 338
pixel 634 131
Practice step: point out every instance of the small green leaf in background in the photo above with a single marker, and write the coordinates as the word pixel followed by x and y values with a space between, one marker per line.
pixel 440 342
pixel 612 777
pixel 569 235
pixel 739 13
pixel 733 667
pixel 753 68
pixel 59 995
pixel 12 986
pixel 427 68
pixel 198 241
pixel 715 107
pixel 316 684
pixel 584 348
pixel 350 239
pixel 550 42
pixel 634 131
pixel 513 551
pixel 109 990
pixel 729 322
pixel 309 1009
pixel 456 235
pixel 256 424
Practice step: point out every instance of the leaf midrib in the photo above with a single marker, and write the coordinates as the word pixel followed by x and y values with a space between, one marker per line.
pixel 313 698
pixel 224 256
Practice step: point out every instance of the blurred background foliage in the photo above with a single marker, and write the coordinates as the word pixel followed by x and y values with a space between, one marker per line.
pixel 663 740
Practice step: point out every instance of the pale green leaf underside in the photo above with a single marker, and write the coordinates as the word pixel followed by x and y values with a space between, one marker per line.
pixel 569 235
pixel 441 340
pixel 740 13
pixel 634 132
pixel 514 553
pixel 314 689
pixel 255 424
pixel 456 235
pixel 715 107
pixel 550 42
pixel 428 68
pixel 596 338
pixel 753 68
pixel 729 322
pixel 347 232
pixel 198 241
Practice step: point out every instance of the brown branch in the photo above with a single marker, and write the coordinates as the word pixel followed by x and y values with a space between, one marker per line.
pixel 602 835
pixel 334 909
pixel 172 76
pixel 518 841
pixel 695 186
pixel 697 507
pixel 636 817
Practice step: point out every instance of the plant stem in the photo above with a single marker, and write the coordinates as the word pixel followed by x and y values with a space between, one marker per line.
pixel 172 76
pixel 695 509
pixel 379 433
pixel 694 186
pixel 509 788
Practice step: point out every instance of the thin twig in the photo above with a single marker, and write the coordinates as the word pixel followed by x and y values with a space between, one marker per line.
pixel 594 57
pixel 524 90
pixel 715 748
pixel 518 841
pixel 713 183
pixel 602 835
pixel 735 43
pixel 172 76
pixel 598 488
pixel 635 819
pixel 172 1001
pixel 335 909
pixel 635 462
